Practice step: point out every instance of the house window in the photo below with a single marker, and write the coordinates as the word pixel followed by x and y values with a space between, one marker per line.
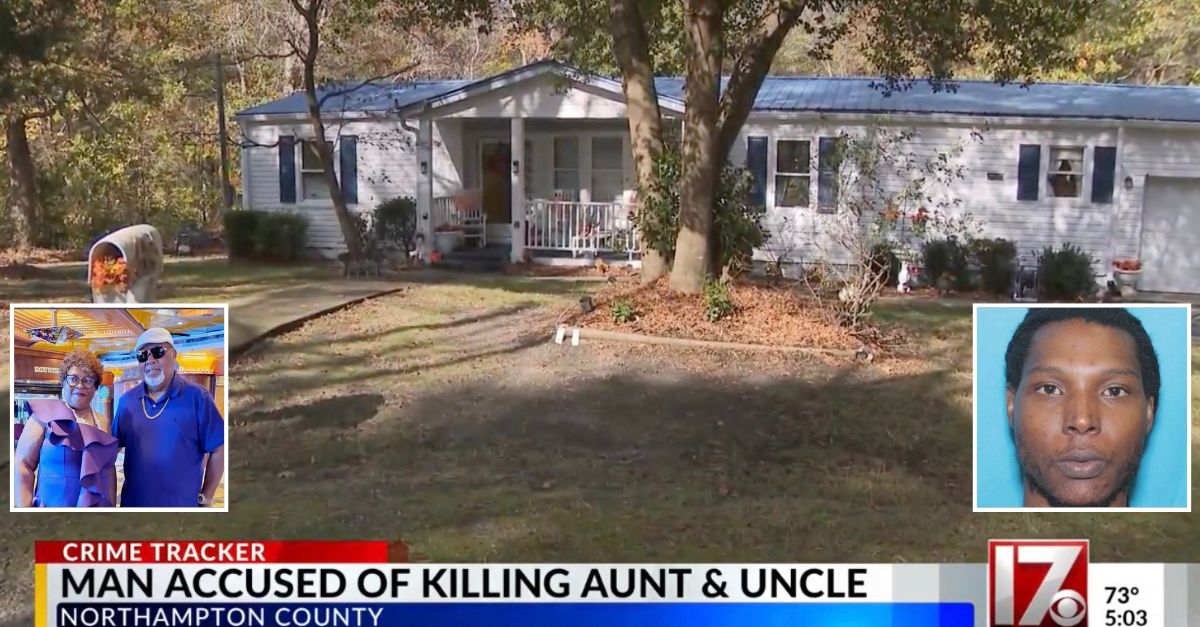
pixel 608 169
pixel 312 175
pixel 1065 173
pixel 566 164
pixel 792 172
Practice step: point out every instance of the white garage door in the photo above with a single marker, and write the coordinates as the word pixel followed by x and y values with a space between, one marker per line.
pixel 1171 236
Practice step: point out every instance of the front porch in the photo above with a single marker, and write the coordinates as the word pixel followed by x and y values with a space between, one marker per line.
pixel 550 230
pixel 539 164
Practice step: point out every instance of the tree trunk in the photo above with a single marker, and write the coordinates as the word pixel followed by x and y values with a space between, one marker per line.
pixel 751 67
pixel 632 48
pixel 698 170
pixel 345 220
pixel 22 188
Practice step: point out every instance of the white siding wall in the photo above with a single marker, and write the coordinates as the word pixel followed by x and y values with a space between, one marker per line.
pixel 1174 153
pixel 547 97
pixel 1032 225
pixel 387 167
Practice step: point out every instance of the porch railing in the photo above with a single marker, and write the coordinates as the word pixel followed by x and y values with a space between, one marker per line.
pixel 462 211
pixel 443 211
pixel 580 227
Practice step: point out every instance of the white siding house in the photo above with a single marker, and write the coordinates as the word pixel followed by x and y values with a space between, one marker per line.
pixel 545 151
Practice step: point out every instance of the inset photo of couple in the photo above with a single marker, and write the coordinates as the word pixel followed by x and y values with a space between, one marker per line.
pixel 118 407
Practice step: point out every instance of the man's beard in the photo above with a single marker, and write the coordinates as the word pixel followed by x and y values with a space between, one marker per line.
pixel 1038 482
pixel 155 380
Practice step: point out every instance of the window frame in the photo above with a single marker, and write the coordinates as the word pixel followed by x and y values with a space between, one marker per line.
pixel 555 169
pixel 302 172
pixel 776 173
pixel 1050 171
pixel 618 171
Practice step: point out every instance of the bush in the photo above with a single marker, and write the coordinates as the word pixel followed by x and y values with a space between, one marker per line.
pixel 738 224
pixel 885 262
pixel 622 310
pixel 396 222
pixel 996 259
pixel 240 232
pixel 1066 274
pixel 947 258
pixel 280 236
pixel 717 303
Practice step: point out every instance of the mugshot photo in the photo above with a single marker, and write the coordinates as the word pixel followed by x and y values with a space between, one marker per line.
pixel 118 408
pixel 1082 407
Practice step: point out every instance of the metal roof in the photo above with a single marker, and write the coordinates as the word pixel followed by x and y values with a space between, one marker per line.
pixel 972 98
pixel 371 98
pixel 843 95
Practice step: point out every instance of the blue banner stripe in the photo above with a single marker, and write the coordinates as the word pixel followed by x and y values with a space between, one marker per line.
pixel 517 614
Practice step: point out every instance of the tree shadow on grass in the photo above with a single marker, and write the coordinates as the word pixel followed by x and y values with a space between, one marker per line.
pixel 334 413
pixel 647 462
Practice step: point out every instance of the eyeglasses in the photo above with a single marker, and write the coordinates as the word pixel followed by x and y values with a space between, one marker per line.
pixel 74 381
pixel 144 355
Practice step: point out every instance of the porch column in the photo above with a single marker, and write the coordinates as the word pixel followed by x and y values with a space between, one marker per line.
pixel 425 179
pixel 518 189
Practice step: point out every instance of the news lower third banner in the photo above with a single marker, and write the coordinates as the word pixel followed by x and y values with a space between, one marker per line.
pixel 340 584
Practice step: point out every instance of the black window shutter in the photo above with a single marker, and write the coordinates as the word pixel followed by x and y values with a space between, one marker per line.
pixel 1104 173
pixel 287 169
pixel 1027 172
pixel 756 163
pixel 349 158
pixel 827 167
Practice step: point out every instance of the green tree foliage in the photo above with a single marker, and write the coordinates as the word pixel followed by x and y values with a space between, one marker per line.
pixel 905 41
pixel 1138 41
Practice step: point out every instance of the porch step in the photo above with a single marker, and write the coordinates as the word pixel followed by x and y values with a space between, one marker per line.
pixel 490 258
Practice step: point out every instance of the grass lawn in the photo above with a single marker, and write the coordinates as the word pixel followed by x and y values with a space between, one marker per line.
pixel 181 280
pixel 442 416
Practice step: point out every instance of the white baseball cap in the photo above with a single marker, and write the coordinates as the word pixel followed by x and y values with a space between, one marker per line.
pixel 154 335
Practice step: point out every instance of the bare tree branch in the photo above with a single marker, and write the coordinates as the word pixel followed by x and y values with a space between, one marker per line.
pixel 350 90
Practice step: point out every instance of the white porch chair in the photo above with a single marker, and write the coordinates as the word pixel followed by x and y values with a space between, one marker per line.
pixel 470 216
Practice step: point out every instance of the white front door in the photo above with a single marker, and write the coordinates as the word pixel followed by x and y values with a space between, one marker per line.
pixel 1171 236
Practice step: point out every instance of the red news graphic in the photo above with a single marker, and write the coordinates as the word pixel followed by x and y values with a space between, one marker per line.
pixel 218 551
pixel 1037 583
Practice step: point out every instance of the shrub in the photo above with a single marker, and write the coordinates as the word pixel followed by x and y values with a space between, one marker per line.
pixel 738 224
pixel 396 222
pixel 240 232
pixel 623 311
pixel 717 303
pixel 1066 274
pixel 886 264
pixel 996 268
pixel 280 236
pixel 947 258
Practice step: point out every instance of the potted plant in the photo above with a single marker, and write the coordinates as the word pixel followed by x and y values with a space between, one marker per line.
pixel 447 238
pixel 109 280
pixel 1126 273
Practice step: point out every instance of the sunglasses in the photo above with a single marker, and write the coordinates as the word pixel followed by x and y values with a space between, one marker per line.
pixel 144 355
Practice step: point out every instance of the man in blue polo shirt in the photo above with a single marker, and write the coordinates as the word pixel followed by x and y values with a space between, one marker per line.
pixel 173 435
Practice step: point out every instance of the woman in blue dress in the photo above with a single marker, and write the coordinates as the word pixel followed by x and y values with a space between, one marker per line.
pixel 66 456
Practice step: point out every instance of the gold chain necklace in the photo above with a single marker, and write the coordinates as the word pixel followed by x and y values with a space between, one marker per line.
pixel 147 414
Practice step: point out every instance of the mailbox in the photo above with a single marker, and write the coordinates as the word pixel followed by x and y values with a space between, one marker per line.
pixel 124 266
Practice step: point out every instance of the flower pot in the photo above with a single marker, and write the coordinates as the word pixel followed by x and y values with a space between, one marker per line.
pixel 1126 281
pixel 447 242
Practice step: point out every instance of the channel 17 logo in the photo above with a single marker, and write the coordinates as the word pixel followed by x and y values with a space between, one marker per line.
pixel 1037 583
